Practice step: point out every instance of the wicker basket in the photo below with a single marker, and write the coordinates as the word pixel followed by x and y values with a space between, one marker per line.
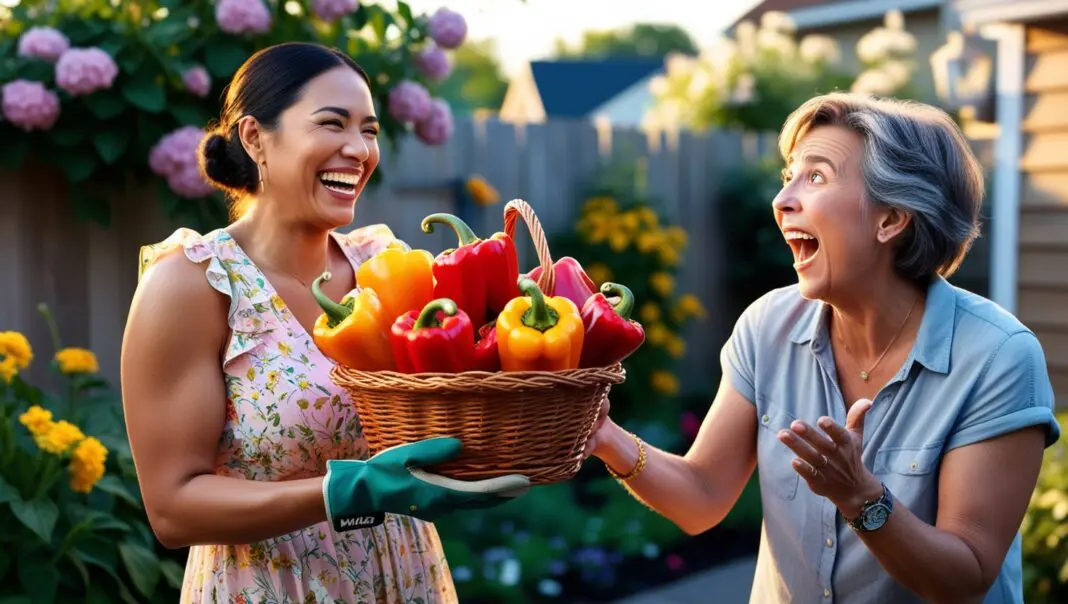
pixel 534 423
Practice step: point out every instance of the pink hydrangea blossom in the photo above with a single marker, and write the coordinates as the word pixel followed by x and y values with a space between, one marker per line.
pixel 83 71
pixel 29 105
pixel 447 28
pixel 197 81
pixel 43 43
pixel 331 10
pixel 433 63
pixel 174 157
pixel 243 16
pixel 409 101
pixel 436 127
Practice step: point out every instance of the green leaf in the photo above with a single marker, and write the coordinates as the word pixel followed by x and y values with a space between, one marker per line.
pixel 78 165
pixel 111 143
pixel 79 564
pixel 143 91
pixel 69 136
pixel 114 485
pixel 172 572
pixel 143 566
pixel 38 515
pixel 224 55
pixel 14 149
pixel 187 114
pixel 405 13
pixel 105 104
pixel 99 554
pixel 16 600
pixel 170 31
pixel 38 578
pixel 5 563
pixel 8 493
pixel 97 595
pixel 380 20
pixel 90 207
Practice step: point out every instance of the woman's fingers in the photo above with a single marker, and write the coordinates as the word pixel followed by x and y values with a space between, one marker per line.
pixel 819 441
pixel 804 450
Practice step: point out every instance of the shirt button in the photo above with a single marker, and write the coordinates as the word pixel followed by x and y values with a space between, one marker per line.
pixel 826 592
pixel 914 465
pixel 830 542
pixel 765 419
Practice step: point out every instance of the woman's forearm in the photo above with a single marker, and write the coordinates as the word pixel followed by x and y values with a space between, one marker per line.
pixel 932 563
pixel 210 509
pixel 669 485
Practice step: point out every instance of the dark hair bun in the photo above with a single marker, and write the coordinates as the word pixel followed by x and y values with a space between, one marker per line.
pixel 227 165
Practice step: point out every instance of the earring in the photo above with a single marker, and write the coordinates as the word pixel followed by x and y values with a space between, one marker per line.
pixel 882 236
pixel 263 183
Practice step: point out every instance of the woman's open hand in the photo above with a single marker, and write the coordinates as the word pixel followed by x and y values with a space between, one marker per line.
pixel 596 435
pixel 829 459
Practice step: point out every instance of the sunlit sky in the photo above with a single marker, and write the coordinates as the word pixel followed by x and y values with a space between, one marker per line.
pixel 526 30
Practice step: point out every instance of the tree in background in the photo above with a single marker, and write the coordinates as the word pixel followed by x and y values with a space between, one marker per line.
pixel 476 81
pixel 638 40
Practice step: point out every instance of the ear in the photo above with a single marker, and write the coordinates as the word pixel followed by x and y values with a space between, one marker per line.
pixel 892 223
pixel 251 134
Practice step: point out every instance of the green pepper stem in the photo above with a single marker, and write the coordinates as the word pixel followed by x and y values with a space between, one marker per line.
pixel 429 316
pixel 335 313
pixel 463 231
pixel 540 315
pixel 625 306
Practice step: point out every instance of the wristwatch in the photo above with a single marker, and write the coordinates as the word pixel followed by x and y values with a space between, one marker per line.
pixel 874 513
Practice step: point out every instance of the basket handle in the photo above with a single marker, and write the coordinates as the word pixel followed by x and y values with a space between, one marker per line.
pixel 512 211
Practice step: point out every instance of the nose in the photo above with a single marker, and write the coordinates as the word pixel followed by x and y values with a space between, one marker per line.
pixel 356 149
pixel 786 201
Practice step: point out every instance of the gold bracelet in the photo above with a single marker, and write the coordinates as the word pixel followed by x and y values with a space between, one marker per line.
pixel 637 468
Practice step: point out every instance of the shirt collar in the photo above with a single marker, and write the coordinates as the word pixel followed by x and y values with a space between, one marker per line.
pixel 933 342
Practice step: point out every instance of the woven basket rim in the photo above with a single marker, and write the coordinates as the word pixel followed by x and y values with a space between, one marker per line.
pixel 478 380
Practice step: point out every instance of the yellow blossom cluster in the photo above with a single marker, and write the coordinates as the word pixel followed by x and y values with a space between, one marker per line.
pixel 15 354
pixel 603 221
pixel 481 191
pixel 87 454
pixel 77 360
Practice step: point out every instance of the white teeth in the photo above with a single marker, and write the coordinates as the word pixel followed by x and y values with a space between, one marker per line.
pixel 791 235
pixel 342 177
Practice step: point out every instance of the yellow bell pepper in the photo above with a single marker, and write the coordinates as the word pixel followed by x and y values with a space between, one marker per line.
pixel 403 280
pixel 353 332
pixel 535 333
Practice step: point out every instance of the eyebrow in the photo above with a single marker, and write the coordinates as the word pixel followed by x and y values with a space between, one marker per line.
pixel 370 119
pixel 815 158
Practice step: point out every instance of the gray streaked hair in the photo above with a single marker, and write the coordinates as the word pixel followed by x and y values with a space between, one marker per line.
pixel 916 160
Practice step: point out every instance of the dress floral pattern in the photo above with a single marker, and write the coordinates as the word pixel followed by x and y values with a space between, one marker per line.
pixel 284 419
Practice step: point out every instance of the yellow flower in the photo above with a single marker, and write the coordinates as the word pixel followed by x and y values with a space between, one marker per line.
pixel 676 237
pixel 481 192
pixel 59 438
pixel 676 347
pixel 618 240
pixel 8 369
pixel 595 228
pixel 277 302
pixel 14 345
pixel 37 420
pixel 629 221
pixel 650 312
pixel 87 464
pixel 662 283
pixel 599 273
pixel 77 360
pixel 600 204
pixel 647 217
pixel 658 334
pixel 664 382
pixel 669 256
pixel 689 306
pixel 285 349
pixel 649 241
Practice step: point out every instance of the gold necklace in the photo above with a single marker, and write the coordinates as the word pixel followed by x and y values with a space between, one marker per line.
pixel 866 375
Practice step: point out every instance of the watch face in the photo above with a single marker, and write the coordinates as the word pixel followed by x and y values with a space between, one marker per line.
pixel 875 516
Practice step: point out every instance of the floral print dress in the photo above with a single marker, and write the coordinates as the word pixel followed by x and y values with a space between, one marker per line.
pixel 284 420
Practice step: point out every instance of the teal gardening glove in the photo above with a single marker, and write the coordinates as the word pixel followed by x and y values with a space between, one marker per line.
pixel 359 494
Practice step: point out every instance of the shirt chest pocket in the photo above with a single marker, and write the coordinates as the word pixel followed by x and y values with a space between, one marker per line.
pixel 776 473
pixel 911 474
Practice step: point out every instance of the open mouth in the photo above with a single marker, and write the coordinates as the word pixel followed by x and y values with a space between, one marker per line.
pixel 342 184
pixel 804 245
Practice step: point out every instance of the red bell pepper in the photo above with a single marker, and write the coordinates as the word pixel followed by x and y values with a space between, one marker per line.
pixel 481 275
pixel 611 335
pixel 486 355
pixel 437 339
pixel 572 282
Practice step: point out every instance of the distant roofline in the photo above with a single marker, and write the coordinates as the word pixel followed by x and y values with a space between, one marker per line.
pixel 849 11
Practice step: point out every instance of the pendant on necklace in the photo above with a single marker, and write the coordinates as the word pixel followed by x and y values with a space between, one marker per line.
pixel 864 375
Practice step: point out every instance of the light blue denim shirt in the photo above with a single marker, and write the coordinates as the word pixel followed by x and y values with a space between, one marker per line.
pixel 975 372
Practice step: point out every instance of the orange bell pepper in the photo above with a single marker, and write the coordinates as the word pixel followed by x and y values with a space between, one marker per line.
pixel 354 332
pixel 535 333
pixel 403 280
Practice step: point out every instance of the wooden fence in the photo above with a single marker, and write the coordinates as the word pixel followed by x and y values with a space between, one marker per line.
pixel 87 274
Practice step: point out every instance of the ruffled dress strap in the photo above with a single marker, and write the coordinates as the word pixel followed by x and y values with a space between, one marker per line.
pixel 362 243
pixel 254 311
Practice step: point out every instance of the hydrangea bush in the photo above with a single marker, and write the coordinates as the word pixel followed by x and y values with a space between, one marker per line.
pixel 107 92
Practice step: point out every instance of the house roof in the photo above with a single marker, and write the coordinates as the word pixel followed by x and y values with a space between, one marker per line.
pixel 785 6
pixel 574 88
pixel 823 13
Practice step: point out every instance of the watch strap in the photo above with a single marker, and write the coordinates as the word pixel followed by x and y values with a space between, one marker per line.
pixel 873 513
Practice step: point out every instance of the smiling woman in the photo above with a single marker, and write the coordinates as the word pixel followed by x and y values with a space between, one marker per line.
pixel 915 413
pixel 245 449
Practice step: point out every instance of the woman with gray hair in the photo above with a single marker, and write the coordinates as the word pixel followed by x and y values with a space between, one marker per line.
pixel 915 413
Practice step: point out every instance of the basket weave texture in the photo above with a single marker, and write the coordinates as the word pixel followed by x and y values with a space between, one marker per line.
pixel 534 423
